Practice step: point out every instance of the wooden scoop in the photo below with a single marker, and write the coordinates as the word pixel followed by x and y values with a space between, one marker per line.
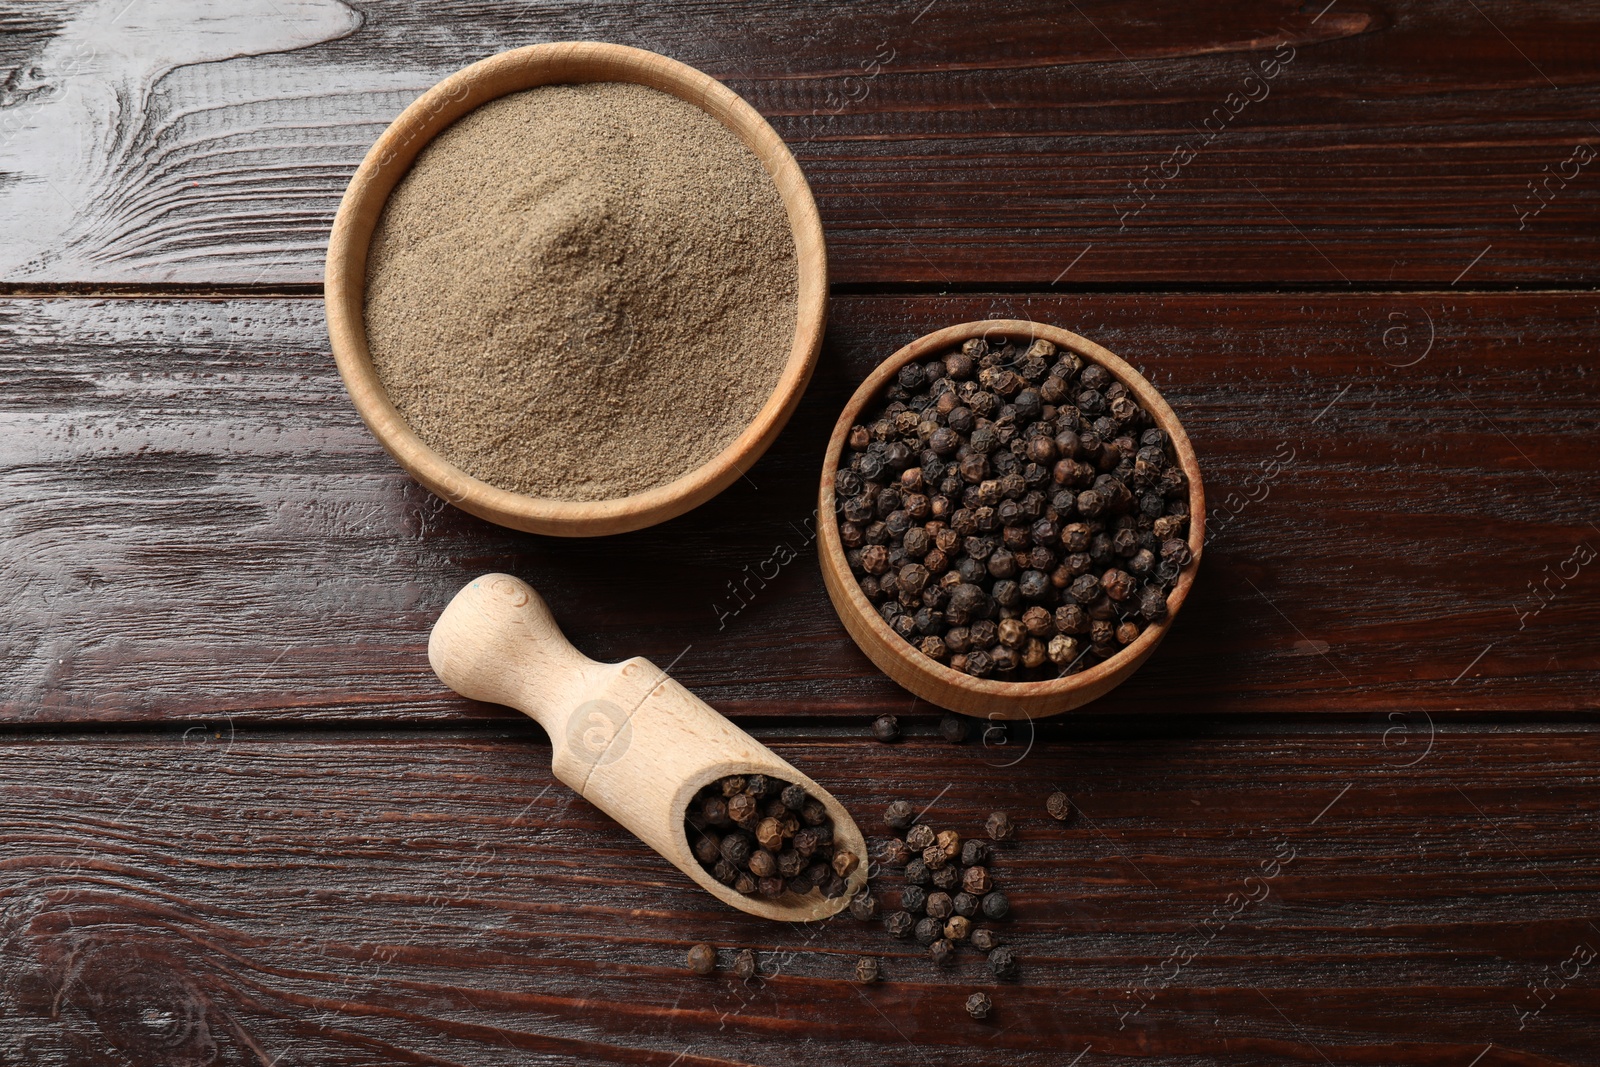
pixel 629 739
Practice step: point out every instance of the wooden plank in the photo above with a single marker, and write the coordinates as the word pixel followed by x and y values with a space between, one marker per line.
pixel 355 899
pixel 1397 141
pixel 193 522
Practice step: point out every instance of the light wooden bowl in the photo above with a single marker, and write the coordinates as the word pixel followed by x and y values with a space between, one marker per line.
pixel 934 681
pixel 387 162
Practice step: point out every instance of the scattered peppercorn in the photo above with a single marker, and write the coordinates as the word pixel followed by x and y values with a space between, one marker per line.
pixel 957 927
pixel 702 959
pixel 928 931
pixel 744 964
pixel 899 815
pixel 1003 963
pixel 867 970
pixel 995 905
pixel 899 923
pixel 767 837
pixel 979 1005
pixel 941 950
pixel 999 826
pixel 921 837
pixel 999 496
pixel 952 727
pixel 886 728
pixel 984 939
pixel 864 906
pixel 1059 807
pixel 895 853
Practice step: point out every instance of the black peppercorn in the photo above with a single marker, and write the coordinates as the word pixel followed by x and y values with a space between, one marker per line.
pixel 984 939
pixel 1003 963
pixel 895 853
pixel 744 811
pixel 920 837
pixel 999 826
pixel 763 864
pixel 953 728
pixel 867 970
pixel 939 905
pixel 928 931
pixel 886 728
pixel 705 848
pixel 979 1005
pixel 744 964
pixel 899 815
pixel 995 905
pixel 913 899
pixel 736 848
pixel 975 880
pixel 965 904
pixel 917 873
pixel 1059 806
pixel 899 923
pixel 941 949
pixel 702 959
pixel 947 878
pixel 812 813
pixel 975 852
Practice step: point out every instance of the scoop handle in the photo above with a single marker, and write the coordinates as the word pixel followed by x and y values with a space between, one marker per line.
pixel 497 642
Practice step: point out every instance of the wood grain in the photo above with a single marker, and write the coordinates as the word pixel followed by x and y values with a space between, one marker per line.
pixel 363 899
pixel 1101 143
pixel 193 522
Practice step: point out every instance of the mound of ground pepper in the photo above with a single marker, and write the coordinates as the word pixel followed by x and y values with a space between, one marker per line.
pixel 582 292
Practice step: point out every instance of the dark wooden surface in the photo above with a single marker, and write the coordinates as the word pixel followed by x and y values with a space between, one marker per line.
pixel 195 521
pixel 241 823
pixel 398 898
pixel 950 143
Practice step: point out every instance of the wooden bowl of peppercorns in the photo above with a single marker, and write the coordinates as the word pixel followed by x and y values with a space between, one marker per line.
pixel 1010 518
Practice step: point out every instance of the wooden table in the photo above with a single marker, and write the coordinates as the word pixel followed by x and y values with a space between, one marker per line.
pixel 1345 816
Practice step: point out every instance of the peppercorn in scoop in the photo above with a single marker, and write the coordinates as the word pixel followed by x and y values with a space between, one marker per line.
pixel 766 837
pixel 1011 510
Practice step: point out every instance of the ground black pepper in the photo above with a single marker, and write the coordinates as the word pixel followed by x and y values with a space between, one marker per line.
pixel 1003 500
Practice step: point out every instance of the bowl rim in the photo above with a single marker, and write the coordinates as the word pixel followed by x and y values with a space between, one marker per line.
pixel 389 160
pixel 1101 674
